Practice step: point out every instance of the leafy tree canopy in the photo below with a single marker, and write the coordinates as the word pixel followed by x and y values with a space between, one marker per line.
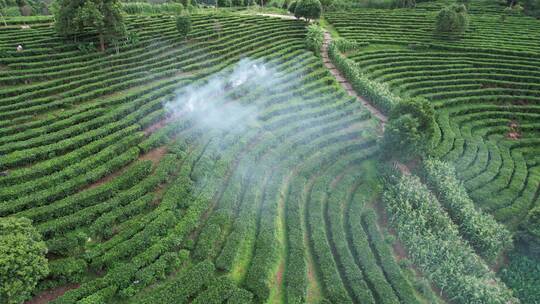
pixel 103 16
pixel 183 25
pixel 410 130
pixel 452 20
pixel 309 9
pixel 22 259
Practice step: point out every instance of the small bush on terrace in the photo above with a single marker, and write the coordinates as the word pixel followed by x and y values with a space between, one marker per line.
pixel 22 259
pixel 314 38
pixel 309 9
pixel 452 20
pixel 183 25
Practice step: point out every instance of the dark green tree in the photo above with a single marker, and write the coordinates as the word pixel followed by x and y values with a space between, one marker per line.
pixel 452 20
pixel 409 132
pixel 22 259
pixel 183 25
pixel 309 9
pixel 532 8
pixel 105 17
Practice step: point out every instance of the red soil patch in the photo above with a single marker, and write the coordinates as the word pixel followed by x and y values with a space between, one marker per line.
pixel 520 102
pixel 402 168
pixel 399 251
pixel 51 294
pixel 501 261
pixel 103 180
pixel 514 133
pixel 279 274
pixel 156 126
pixel 154 155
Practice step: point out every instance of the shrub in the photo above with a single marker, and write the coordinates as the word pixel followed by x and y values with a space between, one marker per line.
pixel 410 130
pixel 22 259
pixel 183 25
pixel 309 9
pixel 452 20
pixel 314 38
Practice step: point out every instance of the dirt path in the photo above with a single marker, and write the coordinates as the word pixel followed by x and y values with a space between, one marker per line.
pixel 51 294
pixel 345 83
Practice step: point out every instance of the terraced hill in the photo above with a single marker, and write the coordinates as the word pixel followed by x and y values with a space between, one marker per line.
pixel 484 86
pixel 230 167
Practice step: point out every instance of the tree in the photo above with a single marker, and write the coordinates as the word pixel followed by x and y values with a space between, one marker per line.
pixel 309 9
pixel 292 7
pixel 183 25
pixel 22 259
pixel 103 16
pixel 532 7
pixel 410 130
pixel 452 20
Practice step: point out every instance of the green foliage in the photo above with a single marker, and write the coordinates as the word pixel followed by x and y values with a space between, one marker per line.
pixel 485 235
pixel 532 8
pixel 22 259
pixel 410 130
pixel 435 246
pixel 314 38
pixel 402 138
pixel 379 94
pixel 522 274
pixel 103 16
pixel 181 287
pixel 309 9
pixel 67 270
pixel 452 20
pixel 152 8
pixel 183 25
pixel 529 232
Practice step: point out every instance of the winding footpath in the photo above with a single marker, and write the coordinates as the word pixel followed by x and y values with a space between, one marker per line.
pixel 345 83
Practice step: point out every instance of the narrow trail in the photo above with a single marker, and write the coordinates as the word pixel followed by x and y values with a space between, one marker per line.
pixel 337 74
pixel 346 84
